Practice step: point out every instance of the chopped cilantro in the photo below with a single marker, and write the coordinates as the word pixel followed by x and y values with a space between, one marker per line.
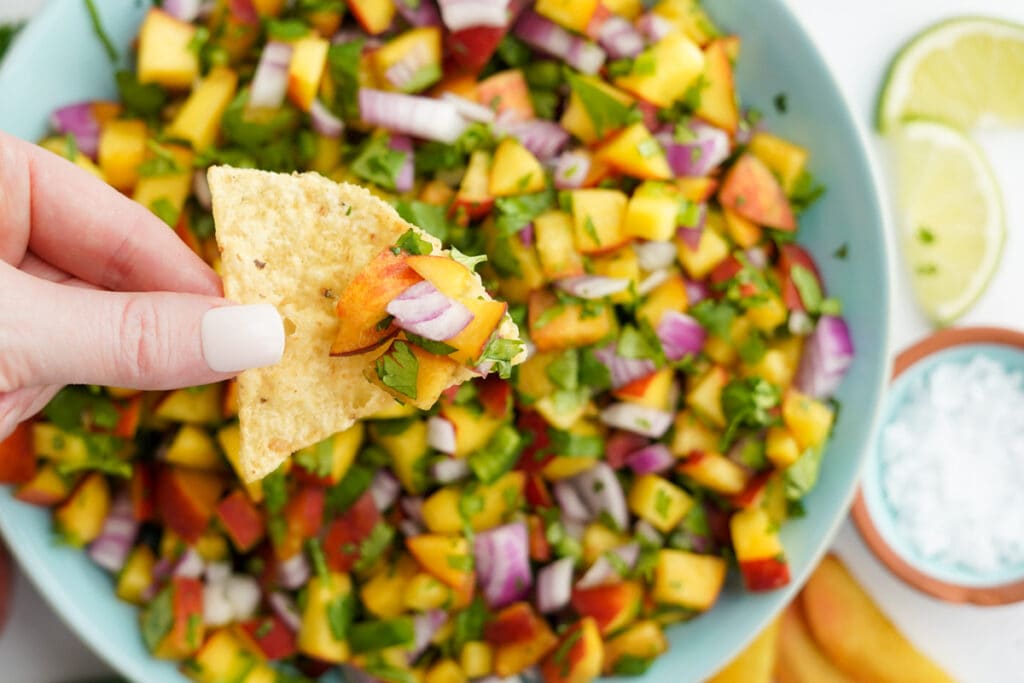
pixel 515 213
pixel 410 242
pixel 377 635
pixel 275 491
pixel 748 402
pixel 165 211
pixel 468 625
pixel 343 66
pixel 662 503
pixel 592 372
pixel 631 665
pixel 141 100
pixel 103 455
pixel 575 445
pixel 500 353
pixel 316 556
pixel 346 492
pixel 781 102
pixel 377 162
pixel 563 370
pixel 470 262
pixel 752 348
pixel 606 112
pixel 319 458
pixel 70 147
pixel 286 29
pixel 429 218
pixel 398 369
pixel 470 504
pixel 841 252
pixel 807 286
pixel 158 618
pixel 7 34
pixel 75 407
pixel 340 613
pixel 831 306
pixel 514 52
pixel 805 192
pixel 101 33
pixel 752 455
pixel 802 475
pixel 591 230
pixel 462 563
pixel 374 545
pixel 560 656
pixel 162 162
pixel 715 316
pixel 925 235
pixel 640 343
pixel 498 456
pixel 435 347
pixel 926 269
pixel 503 258
pixel 264 629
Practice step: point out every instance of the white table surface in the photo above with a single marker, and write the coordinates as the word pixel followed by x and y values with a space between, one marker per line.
pixel 977 645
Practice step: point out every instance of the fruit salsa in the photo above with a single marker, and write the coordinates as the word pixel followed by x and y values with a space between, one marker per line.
pixel 549 520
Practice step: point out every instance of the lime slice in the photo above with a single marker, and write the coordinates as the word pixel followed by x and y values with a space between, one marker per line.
pixel 962 71
pixel 950 216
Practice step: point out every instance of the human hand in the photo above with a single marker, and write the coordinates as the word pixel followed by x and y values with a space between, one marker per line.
pixel 95 289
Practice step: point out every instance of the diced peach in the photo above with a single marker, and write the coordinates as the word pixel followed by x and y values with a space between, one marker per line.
pixel 553 234
pixel 808 419
pixel 670 295
pixel 696 189
pixel 375 16
pixel 449 558
pixel 122 148
pixel 186 632
pixel 652 391
pixel 744 233
pixel 195 405
pixel 474 200
pixel 515 170
pixel 665 71
pixel 635 152
pixel 688 580
pixel 612 606
pixel 79 519
pixel 46 488
pixel 198 120
pixel 643 641
pixel 567 328
pixel 242 520
pixel 577 120
pixel 715 471
pixel 598 216
pixel 165 54
pixel 705 395
pixel 785 158
pixel 574 15
pixel 718 98
pixel 194 447
pixel 186 500
pixel 424 45
pixel 506 91
pixel 750 190
pixel 710 252
pixel 17 459
pixel 578 657
pixel 521 638
pixel 306 68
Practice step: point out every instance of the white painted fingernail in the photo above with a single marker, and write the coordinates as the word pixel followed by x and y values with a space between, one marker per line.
pixel 237 338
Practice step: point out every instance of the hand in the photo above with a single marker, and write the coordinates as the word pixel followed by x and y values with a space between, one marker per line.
pixel 95 289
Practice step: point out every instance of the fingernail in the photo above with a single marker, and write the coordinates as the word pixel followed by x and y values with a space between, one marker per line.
pixel 237 338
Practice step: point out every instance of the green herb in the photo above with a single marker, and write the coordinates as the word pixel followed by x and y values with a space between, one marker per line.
pixel 781 102
pixel 693 95
pixel 802 475
pixel 165 211
pixel 620 67
pixel 346 492
pixel 470 262
pixel 561 654
pixel 144 101
pixel 696 521
pixel 7 34
pixel 619 565
pixel 158 618
pixel 101 33
pixel 435 347
pixel 514 52
pixel 377 635
pixel 515 213
pixel 410 242
pixel 340 613
pixel 468 625
pixel 162 162
pixel 503 258
pixel 264 629
pixel 500 353
pixel 343 65
pixel 70 147
pixel 644 64
pixel 841 252
pixel 631 665
pixel 378 163
pixel 470 504
pixel 429 218
pixel 564 370
pixel 591 230
pixel 192 630
pixel 927 269
pixel 316 556
pixel 318 459
pixel 374 456
pixel 806 191
pixel 650 147
pixel 462 563
pixel 593 372
pixel 271 141
pixel 561 542
pixel 662 503
pixel 103 454
pixel 465 394
pixel 575 445
pixel 807 286
pixel 831 306
pixel 640 343
pixel 545 103
pixel 498 456
pixel 715 316
pixel 752 455
pixel 925 235
pixel 275 491
pixel 606 112
pixel 752 348
pixel 748 402
pixel 286 29
pixel 374 545
pixel 199 40
pixel 74 407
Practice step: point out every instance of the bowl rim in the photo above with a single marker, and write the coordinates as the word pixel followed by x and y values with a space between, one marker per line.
pixel 986 596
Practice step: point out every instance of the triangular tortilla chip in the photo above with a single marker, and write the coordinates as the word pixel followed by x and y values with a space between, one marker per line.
pixel 295 241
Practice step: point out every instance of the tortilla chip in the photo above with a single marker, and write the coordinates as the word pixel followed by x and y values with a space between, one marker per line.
pixel 296 241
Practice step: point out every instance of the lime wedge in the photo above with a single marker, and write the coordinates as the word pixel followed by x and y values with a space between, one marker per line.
pixel 950 216
pixel 962 71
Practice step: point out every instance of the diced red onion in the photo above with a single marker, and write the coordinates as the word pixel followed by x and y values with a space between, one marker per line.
pixel 350 35
pixel 696 291
pixel 571 169
pixel 646 531
pixel 270 82
pixel 185 10
pixel 570 502
pixel 424 310
pixel 632 417
pixel 441 434
pixel 109 553
pixel 619 445
pixel 652 459
pixel 217 611
pixel 421 117
pixel 284 607
pixel 189 565
pixel 412 507
pixel 400 74
pixel 573 528
pixel 425 627
pixel 526 235
pixel 757 257
pixel 554 585
pixel 654 27
pixel 680 335
pixel 216 572
pixel 324 121
pixel 201 189
pixel 592 286
pixel 111 548
pixel 618 37
pixel 473 111
pixel 602 492
pixel 800 323
pixel 80 121
pixel 746 129
pixel 419 12
pixel 549 37
pixel 543 138
pixel 827 355
pixel 652 281
pixel 407 173
pixel 691 236
pixel 503 563
pixel 384 489
pixel 696 158
pixel 655 255
pixel 243 594
pixel 410 528
pixel 603 571
pixel 448 470
pixel 623 370
pixel 460 14
pixel 244 11
pixel 294 572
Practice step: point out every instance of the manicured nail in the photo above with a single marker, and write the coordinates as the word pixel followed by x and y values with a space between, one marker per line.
pixel 237 338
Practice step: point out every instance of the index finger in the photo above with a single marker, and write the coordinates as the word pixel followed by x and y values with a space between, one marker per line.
pixel 85 227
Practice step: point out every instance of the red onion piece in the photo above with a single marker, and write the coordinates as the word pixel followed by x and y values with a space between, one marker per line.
pixel 680 335
pixel 526 235
pixel 602 492
pixel 655 255
pixel 410 528
pixel 441 434
pixel 184 10
pixel 623 370
pixel 201 189
pixel 80 121
pixel 503 563
pixel 644 530
pixel 571 169
pixel 111 548
pixel 420 117
pixel 294 572
pixel 543 138
pixel 554 585
pixel 592 286
pixel 473 111
pixel 285 608
pixel 402 73
pixel 425 627
pixel 549 37
pixel 632 417
pixel 412 507
pixel 603 571
pixel 828 353
pixel 654 27
pixel 800 323
pixel 618 37
pixel 384 489
pixel 324 121
pixel 460 14
pixel 270 82
pixel 448 470
pixel 696 157
pixel 652 281
pixel 696 291
pixel 747 129
pixel 216 572
pixel 620 445
pixel 570 502
pixel 189 565
pixel 407 173
pixel 422 309
pixel 757 257
pixel 244 11
pixel 419 12
pixel 652 459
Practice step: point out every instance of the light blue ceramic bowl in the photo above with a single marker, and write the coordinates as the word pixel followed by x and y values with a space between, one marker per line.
pixel 57 60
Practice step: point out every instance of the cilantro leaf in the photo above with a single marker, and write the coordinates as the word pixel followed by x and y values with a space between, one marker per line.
pixel 501 352
pixel 377 163
pixel 318 459
pixel 429 218
pixel 715 316
pixel 374 545
pixel 7 35
pixel 802 475
pixel 468 624
pixel 163 162
pixel 343 65
pixel 141 100
pixel 564 370
pixel 640 343
pixel 498 456
pixel 606 112
pixel 592 372
pixel 340 613
pixel 286 29
pixel 434 347
pixel 748 402
pixel 101 33
pixel 515 213
pixel 806 191
pixel 398 369
pixel 575 445
pixel 346 492
pixel 158 618
pixel 469 262
pixel 412 243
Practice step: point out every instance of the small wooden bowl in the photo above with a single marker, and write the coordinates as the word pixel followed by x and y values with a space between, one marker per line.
pixel 1000 594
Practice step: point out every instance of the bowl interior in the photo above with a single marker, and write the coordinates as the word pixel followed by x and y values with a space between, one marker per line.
pixel 880 510
pixel 58 60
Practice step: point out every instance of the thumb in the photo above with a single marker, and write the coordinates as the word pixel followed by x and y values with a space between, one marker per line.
pixel 158 340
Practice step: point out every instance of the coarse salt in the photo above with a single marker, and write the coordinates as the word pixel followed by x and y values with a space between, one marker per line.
pixel 953 465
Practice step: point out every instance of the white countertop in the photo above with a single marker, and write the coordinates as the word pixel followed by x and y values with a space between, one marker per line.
pixel 977 645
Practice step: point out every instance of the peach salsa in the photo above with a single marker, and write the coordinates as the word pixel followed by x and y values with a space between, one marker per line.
pixel 549 520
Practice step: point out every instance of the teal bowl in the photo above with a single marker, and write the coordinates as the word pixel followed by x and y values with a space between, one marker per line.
pixel 58 60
